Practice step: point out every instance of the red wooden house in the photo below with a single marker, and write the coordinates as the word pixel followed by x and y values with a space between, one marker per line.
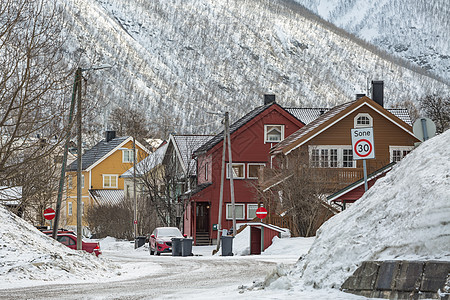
pixel 252 137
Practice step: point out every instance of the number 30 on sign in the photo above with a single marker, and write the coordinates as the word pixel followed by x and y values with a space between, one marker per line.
pixel 362 143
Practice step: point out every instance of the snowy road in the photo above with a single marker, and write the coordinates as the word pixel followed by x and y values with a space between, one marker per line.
pixel 161 277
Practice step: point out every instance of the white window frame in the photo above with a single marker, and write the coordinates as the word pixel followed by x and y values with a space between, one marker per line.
pixel 111 176
pixel 236 164
pixel 253 164
pixel 340 155
pixel 130 155
pixel 229 211
pixel 356 125
pixel 248 210
pixel 266 140
pixel 69 208
pixel 82 181
pixel 399 148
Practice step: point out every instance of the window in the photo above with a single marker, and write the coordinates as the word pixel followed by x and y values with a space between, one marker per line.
pixel 109 181
pixel 253 170
pixel 238 171
pixel 127 155
pixel 273 133
pixel 69 182
pixel 363 120
pixel 251 211
pixel 347 158
pixel 240 210
pixel 332 157
pixel 69 208
pixel 398 152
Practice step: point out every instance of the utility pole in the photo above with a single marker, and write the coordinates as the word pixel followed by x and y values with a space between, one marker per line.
pixel 230 172
pixel 79 154
pixel 64 162
pixel 222 179
pixel 134 190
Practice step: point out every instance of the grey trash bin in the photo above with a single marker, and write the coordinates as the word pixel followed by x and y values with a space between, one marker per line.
pixel 186 249
pixel 176 246
pixel 227 245
pixel 139 241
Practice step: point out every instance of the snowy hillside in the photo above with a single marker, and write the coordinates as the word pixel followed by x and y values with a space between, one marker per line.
pixel 417 31
pixel 28 256
pixel 178 59
pixel 405 215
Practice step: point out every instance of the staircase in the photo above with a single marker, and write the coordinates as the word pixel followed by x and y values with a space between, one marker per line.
pixel 202 239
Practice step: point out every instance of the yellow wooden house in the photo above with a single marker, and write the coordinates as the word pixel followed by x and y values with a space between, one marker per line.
pixel 102 166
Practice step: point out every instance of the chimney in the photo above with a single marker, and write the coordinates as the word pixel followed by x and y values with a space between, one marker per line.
pixel 110 135
pixel 377 92
pixel 359 96
pixel 269 98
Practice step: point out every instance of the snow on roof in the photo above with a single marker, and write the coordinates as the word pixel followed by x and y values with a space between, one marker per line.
pixel 151 161
pixel 108 197
pixel 186 145
pixel 10 195
pixel 404 216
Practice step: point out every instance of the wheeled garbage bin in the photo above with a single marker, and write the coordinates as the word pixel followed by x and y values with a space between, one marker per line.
pixel 227 245
pixel 176 246
pixel 139 241
pixel 186 249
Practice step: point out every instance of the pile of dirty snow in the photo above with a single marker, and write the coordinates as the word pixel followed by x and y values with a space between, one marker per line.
pixel 404 216
pixel 30 257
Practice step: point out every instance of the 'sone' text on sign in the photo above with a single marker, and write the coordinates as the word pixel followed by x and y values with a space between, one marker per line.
pixel 362 143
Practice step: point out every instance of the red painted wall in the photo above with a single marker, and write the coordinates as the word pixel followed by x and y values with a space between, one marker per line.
pixel 248 146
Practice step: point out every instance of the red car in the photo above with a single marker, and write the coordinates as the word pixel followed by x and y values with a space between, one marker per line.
pixel 69 239
pixel 161 239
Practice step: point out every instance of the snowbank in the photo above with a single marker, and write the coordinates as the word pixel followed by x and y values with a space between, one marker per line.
pixel 405 215
pixel 29 257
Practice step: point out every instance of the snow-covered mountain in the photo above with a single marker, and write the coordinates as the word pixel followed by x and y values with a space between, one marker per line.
pixel 176 60
pixel 415 30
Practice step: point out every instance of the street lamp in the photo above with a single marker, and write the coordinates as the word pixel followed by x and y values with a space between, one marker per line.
pixel 76 88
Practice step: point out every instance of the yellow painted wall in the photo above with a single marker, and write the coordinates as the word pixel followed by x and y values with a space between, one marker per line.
pixel 111 165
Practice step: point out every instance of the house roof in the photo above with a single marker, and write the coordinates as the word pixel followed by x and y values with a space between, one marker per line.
pixel 307 115
pixel 108 197
pixel 96 153
pixel 147 164
pixel 360 182
pixel 332 116
pixel 100 151
pixel 185 146
pixel 236 125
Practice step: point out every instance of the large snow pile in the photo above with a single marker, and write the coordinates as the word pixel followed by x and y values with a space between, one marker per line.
pixel 28 255
pixel 405 215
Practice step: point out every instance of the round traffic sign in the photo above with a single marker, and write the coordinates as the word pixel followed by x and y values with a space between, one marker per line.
pixel 49 213
pixel 363 148
pixel 261 213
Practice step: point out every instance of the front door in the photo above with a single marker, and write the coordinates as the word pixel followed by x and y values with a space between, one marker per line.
pixel 202 217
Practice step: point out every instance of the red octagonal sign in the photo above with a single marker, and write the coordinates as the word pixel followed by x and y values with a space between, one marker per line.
pixel 49 214
pixel 261 213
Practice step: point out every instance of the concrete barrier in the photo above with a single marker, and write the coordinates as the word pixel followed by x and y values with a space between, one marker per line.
pixel 401 280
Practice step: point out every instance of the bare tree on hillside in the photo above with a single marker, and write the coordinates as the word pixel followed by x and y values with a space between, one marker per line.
pixel 437 108
pixel 32 85
pixel 129 121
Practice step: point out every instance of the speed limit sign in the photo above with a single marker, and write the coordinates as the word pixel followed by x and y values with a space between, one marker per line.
pixel 362 143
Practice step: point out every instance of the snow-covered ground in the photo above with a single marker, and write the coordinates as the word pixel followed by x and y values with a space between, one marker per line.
pixel 406 215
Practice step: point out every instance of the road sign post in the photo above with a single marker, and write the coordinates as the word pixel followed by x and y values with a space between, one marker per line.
pixel 363 147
